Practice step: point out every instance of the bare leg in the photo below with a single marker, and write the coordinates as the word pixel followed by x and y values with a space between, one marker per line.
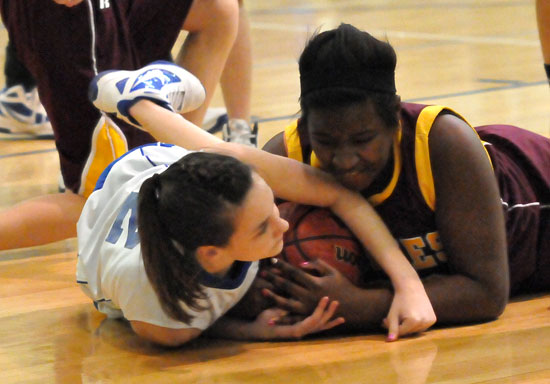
pixel 41 220
pixel 212 26
pixel 543 22
pixel 236 80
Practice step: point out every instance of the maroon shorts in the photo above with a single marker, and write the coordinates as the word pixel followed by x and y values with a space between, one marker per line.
pixel 55 44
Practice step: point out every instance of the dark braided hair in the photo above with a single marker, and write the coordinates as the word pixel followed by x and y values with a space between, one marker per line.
pixel 191 204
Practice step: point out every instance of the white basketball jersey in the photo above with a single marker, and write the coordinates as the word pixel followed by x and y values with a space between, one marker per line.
pixel 110 268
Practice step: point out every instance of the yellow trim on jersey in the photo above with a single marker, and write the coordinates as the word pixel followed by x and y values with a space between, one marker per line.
pixel 397 164
pixel 292 142
pixel 108 144
pixel 422 150
pixel 422 154
pixel 293 145
pixel 314 160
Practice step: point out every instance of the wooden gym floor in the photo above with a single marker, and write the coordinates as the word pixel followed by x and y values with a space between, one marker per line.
pixel 481 58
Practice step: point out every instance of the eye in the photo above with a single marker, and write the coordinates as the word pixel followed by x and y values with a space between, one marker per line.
pixel 324 141
pixel 364 140
pixel 263 228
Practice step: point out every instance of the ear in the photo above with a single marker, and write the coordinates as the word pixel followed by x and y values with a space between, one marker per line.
pixel 210 258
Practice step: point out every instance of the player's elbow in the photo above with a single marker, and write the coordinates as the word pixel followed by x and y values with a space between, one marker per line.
pixel 495 307
pixel 496 299
pixel 166 337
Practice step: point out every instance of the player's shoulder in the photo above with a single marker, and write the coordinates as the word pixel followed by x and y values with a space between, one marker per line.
pixel 159 153
pixel 140 160
pixel 150 155
pixel 276 145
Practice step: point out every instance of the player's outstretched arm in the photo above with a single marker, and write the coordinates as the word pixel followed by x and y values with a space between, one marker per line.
pixel 265 326
pixel 148 98
pixel 471 224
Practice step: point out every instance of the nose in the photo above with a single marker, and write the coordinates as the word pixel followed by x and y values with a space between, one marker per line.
pixel 345 160
pixel 282 227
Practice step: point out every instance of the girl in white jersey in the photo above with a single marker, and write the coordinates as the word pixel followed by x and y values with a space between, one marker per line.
pixel 171 239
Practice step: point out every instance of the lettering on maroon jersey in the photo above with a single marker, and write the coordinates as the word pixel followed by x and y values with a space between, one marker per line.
pixel 424 251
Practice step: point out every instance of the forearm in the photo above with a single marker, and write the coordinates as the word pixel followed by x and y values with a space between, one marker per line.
pixel 459 299
pixel 228 327
pixel 169 127
pixel 264 327
pixel 364 309
pixel 456 299
pixel 289 179
pixel 369 228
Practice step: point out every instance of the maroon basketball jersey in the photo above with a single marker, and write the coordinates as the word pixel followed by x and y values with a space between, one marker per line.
pixel 521 161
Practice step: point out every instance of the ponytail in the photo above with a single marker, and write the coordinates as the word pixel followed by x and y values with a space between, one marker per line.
pixel 191 204
pixel 172 273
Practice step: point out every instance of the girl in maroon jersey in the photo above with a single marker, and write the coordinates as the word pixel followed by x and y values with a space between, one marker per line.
pixel 469 206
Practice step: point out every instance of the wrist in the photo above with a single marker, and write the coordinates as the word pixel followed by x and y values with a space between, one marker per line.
pixel 364 308
pixel 407 283
pixel 402 274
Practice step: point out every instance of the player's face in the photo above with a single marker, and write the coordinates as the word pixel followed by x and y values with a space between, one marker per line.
pixel 258 227
pixel 352 143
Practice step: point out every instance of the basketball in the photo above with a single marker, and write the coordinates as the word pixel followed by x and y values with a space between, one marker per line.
pixel 316 233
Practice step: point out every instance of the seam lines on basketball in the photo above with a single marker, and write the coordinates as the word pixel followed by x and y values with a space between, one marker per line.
pixel 320 237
